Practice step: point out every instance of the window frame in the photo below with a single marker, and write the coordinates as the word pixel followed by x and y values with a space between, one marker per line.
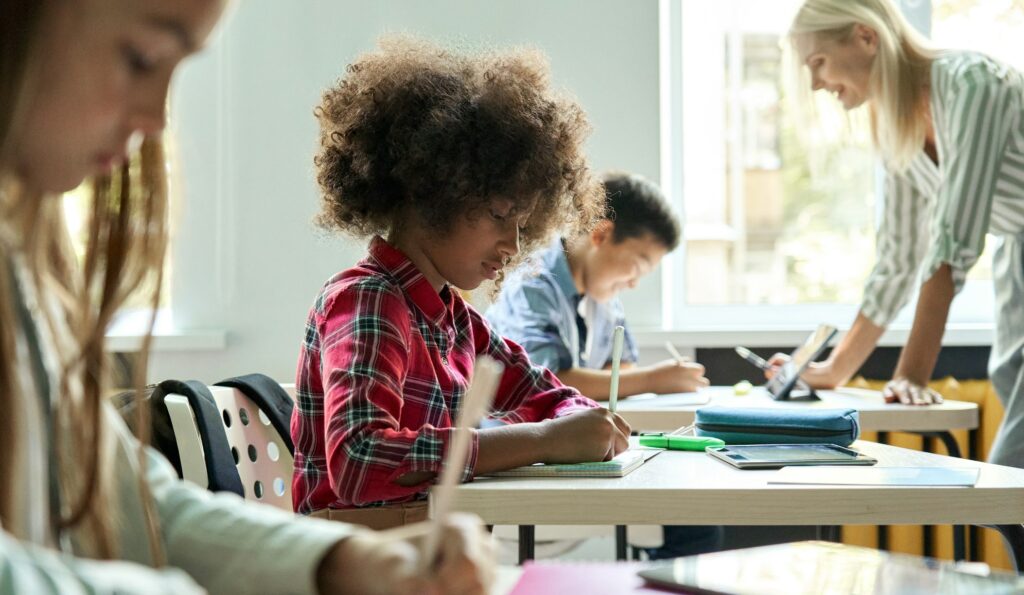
pixel 972 313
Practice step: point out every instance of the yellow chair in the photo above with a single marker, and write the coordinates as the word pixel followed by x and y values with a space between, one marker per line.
pixel 910 539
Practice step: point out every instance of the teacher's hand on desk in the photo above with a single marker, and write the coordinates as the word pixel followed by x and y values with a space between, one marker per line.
pixel 386 562
pixel 901 390
pixel 583 437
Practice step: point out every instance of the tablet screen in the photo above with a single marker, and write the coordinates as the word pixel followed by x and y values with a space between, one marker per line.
pixel 816 567
pixel 773 456
pixel 788 453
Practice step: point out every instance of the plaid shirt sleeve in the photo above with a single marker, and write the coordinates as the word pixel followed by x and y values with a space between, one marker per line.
pixel 526 393
pixel 365 333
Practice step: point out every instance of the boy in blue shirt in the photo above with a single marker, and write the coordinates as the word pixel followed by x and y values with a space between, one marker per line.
pixel 563 312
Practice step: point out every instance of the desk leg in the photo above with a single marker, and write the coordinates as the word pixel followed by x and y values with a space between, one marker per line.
pixel 1013 537
pixel 947 440
pixel 882 531
pixel 620 542
pixel 959 532
pixel 827 533
pixel 526 535
pixel 959 543
pixel 973 532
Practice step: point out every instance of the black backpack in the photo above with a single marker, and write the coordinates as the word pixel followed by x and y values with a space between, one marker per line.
pixel 221 469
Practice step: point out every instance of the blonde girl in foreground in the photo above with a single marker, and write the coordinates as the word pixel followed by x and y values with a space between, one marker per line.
pixel 83 507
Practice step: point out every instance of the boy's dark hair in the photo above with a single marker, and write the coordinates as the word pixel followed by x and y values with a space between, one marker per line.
pixel 414 127
pixel 638 208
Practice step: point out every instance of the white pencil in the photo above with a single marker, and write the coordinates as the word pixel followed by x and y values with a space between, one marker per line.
pixel 475 404
pixel 613 391
pixel 682 359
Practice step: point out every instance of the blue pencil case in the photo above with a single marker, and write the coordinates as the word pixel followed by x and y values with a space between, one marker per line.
pixel 778 426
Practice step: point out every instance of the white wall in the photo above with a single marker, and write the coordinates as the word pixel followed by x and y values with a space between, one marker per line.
pixel 246 258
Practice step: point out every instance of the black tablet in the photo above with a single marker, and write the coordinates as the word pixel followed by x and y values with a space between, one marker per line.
pixel 774 456
pixel 786 383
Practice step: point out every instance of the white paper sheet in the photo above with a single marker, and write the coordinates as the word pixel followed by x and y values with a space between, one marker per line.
pixel 877 476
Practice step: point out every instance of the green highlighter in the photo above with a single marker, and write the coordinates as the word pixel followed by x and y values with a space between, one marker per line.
pixel 672 442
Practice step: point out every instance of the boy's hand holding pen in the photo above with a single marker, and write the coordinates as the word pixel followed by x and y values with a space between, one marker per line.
pixel 677 375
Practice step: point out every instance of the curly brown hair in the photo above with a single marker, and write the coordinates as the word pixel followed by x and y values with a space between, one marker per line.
pixel 416 125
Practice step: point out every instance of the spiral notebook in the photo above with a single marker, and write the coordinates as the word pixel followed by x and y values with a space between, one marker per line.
pixel 621 465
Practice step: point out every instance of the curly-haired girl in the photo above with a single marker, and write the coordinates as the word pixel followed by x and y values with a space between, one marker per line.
pixel 463 163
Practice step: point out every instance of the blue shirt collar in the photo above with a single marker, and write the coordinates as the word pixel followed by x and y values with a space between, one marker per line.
pixel 556 259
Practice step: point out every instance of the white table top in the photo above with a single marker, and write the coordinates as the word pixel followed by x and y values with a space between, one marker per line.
pixel 679 488
pixel 660 413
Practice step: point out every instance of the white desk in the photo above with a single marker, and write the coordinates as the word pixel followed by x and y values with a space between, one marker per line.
pixel 660 414
pixel 691 488
pixel 668 412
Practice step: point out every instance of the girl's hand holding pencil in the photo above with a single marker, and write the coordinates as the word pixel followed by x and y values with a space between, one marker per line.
pixel 451 553
pixel 391 562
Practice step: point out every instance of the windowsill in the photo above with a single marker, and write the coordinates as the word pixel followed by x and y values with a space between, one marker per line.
pixel 213 340
pixel 961 335
pixel 125 335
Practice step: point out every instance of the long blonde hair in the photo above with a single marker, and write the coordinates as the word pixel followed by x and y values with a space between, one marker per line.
pixel 899 75
pixel 124 251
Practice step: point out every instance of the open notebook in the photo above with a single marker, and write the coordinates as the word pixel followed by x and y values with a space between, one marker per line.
pixel 624 463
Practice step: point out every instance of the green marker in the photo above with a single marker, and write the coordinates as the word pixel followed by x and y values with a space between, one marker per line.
pixel 662 440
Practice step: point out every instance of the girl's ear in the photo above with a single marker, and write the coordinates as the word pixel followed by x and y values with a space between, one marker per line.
pixel 603 232
pixel 866 36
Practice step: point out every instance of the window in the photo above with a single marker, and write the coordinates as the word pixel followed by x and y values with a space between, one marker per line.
pixel 76 215
pixel 779 216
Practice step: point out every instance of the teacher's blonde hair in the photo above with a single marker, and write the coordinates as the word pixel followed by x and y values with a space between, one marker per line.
pixel 899 80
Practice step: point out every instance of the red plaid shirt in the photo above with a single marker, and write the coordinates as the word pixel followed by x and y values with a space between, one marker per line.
pixel 385 362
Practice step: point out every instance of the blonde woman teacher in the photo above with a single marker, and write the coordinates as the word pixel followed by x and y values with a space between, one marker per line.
pixel 948 127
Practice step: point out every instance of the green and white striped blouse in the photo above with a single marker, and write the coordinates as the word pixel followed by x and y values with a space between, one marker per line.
pixel 934 214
